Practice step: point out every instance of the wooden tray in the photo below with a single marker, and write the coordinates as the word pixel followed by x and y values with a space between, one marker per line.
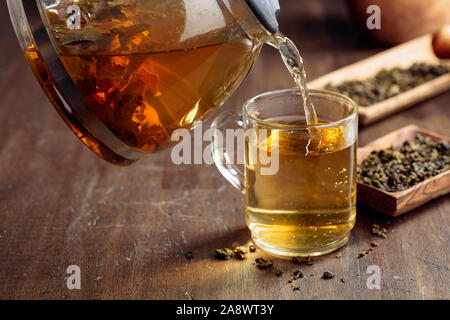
pixel 404 55
pixel 397 203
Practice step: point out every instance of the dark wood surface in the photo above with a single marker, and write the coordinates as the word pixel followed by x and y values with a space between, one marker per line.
pixel 129 228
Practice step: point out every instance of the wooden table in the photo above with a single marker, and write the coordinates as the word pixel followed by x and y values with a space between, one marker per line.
pixel 129 228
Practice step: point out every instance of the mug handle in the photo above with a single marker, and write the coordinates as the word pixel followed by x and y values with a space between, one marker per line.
pixel 227 168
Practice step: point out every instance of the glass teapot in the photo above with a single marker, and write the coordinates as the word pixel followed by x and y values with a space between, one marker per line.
pixel 124 74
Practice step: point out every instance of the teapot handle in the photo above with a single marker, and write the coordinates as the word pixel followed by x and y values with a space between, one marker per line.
pixel 266 11
pixel 226 166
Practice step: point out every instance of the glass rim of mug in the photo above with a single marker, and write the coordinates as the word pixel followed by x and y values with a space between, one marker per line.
pixel 312 92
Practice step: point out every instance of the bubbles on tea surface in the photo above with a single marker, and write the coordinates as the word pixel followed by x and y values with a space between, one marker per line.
pixel 308 141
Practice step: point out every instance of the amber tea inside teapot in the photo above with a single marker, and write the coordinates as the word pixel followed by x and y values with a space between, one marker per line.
pixel 124 74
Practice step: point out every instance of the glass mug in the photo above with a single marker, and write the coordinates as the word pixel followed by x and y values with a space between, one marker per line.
pixel 304 202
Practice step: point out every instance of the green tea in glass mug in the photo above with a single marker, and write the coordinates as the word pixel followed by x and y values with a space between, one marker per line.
pixel 299 180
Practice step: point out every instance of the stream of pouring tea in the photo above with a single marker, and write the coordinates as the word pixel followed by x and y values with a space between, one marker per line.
pixel 294 63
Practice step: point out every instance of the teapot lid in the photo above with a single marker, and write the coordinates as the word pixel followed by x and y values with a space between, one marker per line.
pixel 266 11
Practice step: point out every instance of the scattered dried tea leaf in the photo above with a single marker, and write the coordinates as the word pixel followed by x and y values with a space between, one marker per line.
pixel 374 244
pixel 340 254
pixel 240 252
pixel 241 249
pixel 252 248
pixel 342 280
pixel 224 254
pixel 297 275
pixel 295 287
pixel 263 263
pixel 279 273
pixel 303 260
pixel 240 255
pixel 364 252
pixel 327 275
pixel 377 231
